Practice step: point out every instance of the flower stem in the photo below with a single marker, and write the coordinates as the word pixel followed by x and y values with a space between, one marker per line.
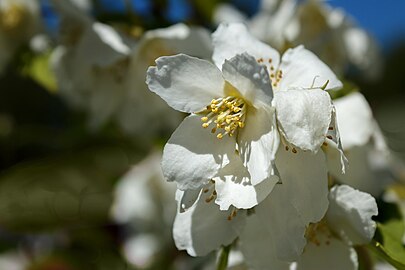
pixel 223 258
pixel 380 251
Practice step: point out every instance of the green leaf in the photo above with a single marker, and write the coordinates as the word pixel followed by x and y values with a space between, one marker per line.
pixel 39 70
pixel 387 242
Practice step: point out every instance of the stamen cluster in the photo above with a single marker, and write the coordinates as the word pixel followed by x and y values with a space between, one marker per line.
pixel 227 113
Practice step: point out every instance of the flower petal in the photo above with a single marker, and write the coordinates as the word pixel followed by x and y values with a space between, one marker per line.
pixel 329 253
pixel 304 178
pixel 257 246
pixel 258 142
pixel 178 38
pixel 283 222
pixel 234 38
pixel 204 228
pixel 193 155
pixel 333 138
pixel 302 68
pixel 233 187
pixel 349 214
pixel 250 79
pixel 187 198
pixel 186 83
pixel 304 117
pixel 355 120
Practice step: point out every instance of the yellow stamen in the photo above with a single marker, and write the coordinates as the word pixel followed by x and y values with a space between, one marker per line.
pixel 226 113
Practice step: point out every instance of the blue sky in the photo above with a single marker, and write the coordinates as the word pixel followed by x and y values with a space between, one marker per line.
pixel 385 19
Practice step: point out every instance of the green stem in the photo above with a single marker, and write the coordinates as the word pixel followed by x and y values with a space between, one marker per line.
pixel 380 251
pixel 223 258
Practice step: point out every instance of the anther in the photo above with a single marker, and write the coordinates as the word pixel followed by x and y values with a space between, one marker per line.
pixel 209 199
pixel 294 150
pixel 287 148
pixel 329 137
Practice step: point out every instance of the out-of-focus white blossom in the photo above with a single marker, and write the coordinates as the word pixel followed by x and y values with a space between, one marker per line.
pixel 102 71
pixel 13 260
pixel 142 192
pixel 143 203
pixel 19 21
pixel 329 32
pixel 142 249
pixel 364 145
pixel 335 38
pixel 227 13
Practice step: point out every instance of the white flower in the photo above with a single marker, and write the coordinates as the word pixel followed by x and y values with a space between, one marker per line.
pixel 329 32
pixel 230 135
pixel 364 145
pixel 143 196
pixel 305 118
pixel 348 222
pixel 330 242
pixel 14 260
pixel 334 36
pixel 143 203
pixel 272 24
pixel 102 71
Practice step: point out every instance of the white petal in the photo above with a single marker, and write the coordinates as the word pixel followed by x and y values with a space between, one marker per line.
pixel 186 83
pixel 304 178
pixel 227 13
pixel 302 68
pixel 349 214
pixel 250 79
pixel 193 155
pixel 355 120
pixel 329 253
pixel 258 142
pixel 233 187
pixel 178 38
pixel 234 38
pixel 267 23
pixel 283 222
pixel 102 46
pixel 187 198
pixel 361 174
pixel 333 139
pixel 304 117
pixel 133 195
pixel 204 228
pixel 257 246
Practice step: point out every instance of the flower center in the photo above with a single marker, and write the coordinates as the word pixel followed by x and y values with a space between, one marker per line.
pixel 316 232
pixel 228 114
